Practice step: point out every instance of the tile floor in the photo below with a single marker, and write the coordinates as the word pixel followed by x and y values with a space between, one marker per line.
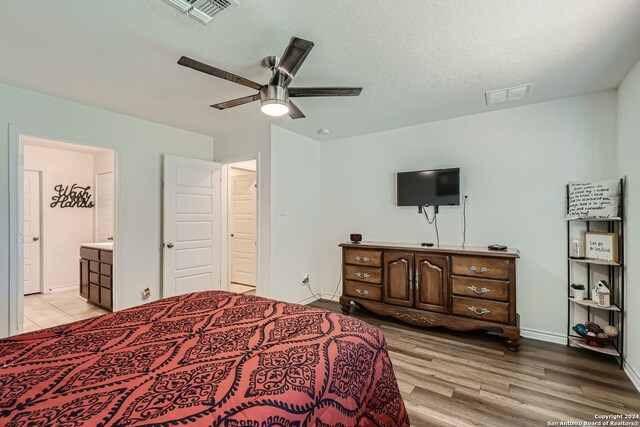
pixel 242 289
pixel 47 310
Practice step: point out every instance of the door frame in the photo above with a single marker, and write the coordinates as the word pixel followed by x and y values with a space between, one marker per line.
pixel 225 241
pixel 95 214
pixel 233 168
pixel 16 212
pixel 42 179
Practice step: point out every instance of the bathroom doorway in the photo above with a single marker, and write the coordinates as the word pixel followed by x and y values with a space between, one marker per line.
pixel 68 228
pixel 242 226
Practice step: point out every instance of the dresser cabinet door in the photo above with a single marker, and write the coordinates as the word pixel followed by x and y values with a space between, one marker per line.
pixel 432 287
pixel 398 278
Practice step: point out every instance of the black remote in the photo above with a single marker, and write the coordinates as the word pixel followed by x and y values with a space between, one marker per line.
pixel 426 244
pixel 497 247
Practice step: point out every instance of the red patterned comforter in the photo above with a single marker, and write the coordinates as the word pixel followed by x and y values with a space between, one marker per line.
pixel 211 359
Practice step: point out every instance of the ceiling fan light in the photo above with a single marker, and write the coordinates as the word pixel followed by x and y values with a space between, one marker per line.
pixel 274 107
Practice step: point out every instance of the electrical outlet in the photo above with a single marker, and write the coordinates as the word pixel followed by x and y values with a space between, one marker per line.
pixel 146 293
pixel 305 279
pixel 466 199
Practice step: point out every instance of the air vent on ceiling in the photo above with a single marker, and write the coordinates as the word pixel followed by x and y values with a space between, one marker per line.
pixel 505 95
pixel 203 10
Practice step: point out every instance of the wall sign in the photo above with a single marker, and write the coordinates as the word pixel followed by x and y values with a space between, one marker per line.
pixel 72 197
pixel 594 199
pixel 601 246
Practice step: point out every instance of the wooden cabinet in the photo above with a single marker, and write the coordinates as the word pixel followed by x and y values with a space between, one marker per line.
pixel 84 278
pixel 432 283
pixel 398 278
pixel 96 282
pixel 457 288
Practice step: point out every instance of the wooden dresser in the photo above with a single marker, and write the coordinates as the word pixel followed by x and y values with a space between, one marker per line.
pixel 454 287
pixel 96 271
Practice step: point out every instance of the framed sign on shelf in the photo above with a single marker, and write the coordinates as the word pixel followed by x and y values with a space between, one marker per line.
pixel 601 246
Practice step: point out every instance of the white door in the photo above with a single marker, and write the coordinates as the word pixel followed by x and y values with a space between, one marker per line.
pixel 104 207
pixel 191 236
pixel 31 232
pixel 242 225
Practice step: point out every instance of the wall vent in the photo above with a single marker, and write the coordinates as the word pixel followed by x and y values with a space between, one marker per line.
pixel 203 10
pixel 506 95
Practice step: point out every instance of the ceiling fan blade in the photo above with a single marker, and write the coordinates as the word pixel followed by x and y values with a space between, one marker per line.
pixel 294 111
pixel 302 92
pixel 236 102
pixel 292 58
pixel 216 72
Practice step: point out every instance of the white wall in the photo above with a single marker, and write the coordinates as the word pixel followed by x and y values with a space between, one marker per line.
pixel 628 156
pixel 104 162
pixel 515 164
pixel 236 146
pixel 139 146
pixel 296 222
pixel 65 229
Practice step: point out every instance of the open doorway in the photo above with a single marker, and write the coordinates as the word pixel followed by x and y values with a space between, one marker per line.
pixel 68 230
pixel 242 220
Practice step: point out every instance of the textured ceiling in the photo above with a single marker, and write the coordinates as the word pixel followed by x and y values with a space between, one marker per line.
pixel 418 60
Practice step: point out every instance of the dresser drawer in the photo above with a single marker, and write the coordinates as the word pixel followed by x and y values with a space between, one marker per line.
pixel 362 257
pixel 94 278
pixel 491 268
pixel 481 309
pixel 92 254
pixel 105 281
pixel 106 257
pixel 363 274
pixel 363 290
pixel 480 288
pixel 94 266
pixel 106 269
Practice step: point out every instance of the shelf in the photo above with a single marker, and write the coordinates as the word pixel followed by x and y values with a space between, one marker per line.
pixel 594 219
pixel 593 304
pixel 595 261
pixel 608 349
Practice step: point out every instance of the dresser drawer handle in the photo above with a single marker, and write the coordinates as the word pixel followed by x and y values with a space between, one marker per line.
pixel 363 275
pixel 480 312
pixel 478 270
pixel 362 259
pixel 361 292
pixel 481 291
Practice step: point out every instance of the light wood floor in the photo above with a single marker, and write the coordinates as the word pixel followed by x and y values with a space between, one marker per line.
pixel 470 379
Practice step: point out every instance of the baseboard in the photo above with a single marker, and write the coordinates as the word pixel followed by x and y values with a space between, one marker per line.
pixel 71 287
pixel 328 297
pixel 331 297
pixel 307 300
pixel 536 334
pixel 632 374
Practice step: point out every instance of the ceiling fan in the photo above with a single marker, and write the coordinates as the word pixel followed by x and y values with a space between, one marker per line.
pixel 274 96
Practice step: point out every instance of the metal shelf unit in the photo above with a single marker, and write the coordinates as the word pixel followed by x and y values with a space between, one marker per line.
pixel 615 272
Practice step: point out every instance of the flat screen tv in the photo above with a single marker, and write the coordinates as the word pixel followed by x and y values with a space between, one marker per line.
pixel 438 187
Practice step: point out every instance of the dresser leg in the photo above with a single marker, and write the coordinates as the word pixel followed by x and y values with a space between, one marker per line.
pixel 513 345
pixel 346 309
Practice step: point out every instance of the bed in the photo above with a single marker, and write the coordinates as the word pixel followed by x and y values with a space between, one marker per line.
pixel 207 358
